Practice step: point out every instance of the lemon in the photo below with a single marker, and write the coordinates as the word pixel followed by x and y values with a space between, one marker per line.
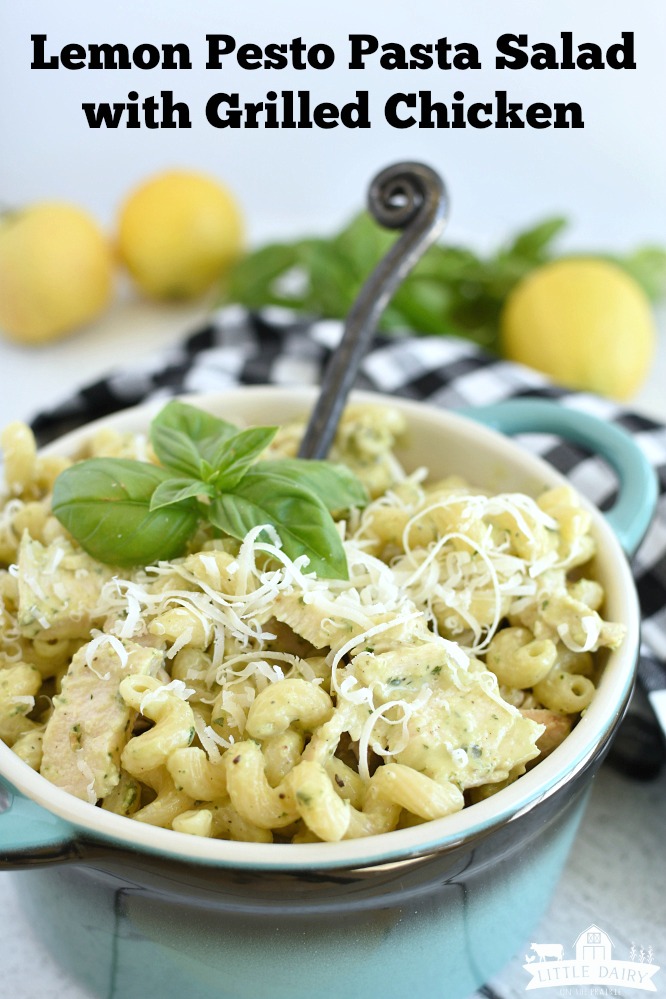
pixel 584 322
pixel 178 233
pixel 56 271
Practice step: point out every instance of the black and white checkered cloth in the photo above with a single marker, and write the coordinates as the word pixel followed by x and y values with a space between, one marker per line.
pixel 280 348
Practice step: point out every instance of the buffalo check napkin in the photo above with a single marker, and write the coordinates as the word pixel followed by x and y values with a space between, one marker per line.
pixel 282 348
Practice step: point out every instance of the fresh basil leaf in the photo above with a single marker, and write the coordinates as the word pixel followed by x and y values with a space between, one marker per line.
pixel 104 503
pixel 451 291
pixel 647 266
pixel 236 454
pixel 204 429
pixel 176 490
pixel 207 434
pixel 252 279
pixel 364 242
pixel 335 485
pixel 448 264
pixel 301 519
pixel 423 305
pixel 195 422
pixel 535 241
pixel 331 281
pixel 176 450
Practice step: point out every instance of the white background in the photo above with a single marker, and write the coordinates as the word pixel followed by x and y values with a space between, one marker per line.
pixel 607 177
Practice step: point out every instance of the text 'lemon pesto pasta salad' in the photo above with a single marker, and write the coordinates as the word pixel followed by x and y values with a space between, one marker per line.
pixel 202 632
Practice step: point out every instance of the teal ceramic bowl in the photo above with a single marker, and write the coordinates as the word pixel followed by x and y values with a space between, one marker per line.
pixel 426 912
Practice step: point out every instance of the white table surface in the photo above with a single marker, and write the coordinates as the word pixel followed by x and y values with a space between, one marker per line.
pixel 616 875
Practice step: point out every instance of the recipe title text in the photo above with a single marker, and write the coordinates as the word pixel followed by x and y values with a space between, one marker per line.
pixel 297 108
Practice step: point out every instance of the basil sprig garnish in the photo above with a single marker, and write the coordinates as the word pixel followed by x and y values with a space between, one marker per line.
pixel 125 512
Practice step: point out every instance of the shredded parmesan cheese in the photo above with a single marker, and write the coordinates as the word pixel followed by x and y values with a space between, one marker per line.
pixel 591 625
pixel 85 769
pixel 175 687
pixel 101 639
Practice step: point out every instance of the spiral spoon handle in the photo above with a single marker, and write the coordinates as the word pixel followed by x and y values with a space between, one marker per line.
pixel 407 196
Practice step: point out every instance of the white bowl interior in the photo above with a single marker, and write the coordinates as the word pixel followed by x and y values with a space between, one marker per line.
pixel 445 443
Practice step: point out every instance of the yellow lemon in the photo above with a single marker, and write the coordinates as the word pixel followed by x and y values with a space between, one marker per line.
pixel 56 271
pixel 584 322
pixel 178 233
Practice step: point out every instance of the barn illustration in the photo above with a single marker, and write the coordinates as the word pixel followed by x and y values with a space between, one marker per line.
pixel 593 946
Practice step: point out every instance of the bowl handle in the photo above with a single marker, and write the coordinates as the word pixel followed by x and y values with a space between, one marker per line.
pixel 29 834
pixel 638 493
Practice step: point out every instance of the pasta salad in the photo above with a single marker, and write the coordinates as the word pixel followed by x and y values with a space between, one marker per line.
pixel 228 690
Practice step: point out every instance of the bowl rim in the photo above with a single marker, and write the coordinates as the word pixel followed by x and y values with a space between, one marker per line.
pixel 90 824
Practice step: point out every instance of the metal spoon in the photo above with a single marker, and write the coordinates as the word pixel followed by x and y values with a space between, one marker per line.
pixel 408 196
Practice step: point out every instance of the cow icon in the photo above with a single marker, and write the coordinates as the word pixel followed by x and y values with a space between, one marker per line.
pixel 545 951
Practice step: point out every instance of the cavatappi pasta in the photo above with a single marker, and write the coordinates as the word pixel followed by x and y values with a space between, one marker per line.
pixel 230 693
